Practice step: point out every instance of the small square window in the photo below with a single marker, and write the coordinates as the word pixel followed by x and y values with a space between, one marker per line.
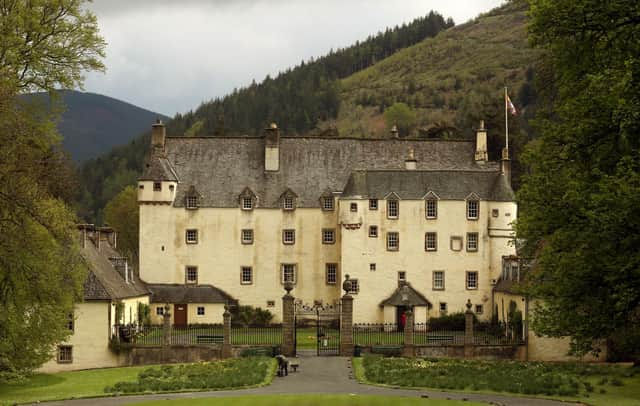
pixel 271 303
pixel 328 236
pixel 431 208
pixel 355 286
pixel 472 280
pixel 373 204
pixel 191 274
pixel 331 274
pixel 160 310
pixel 393 209
pixel 192 202
pixel 65 354
pixel 456 243
pixel 373 231
pixel 402 276
pixel 247 236
pixel 288 237
pixel 327 203
pixel 479 309
pixel 438 280
pixel 353 207
pixel 288 273
pixel 191 236
pixel 495 213
pixel 431 242
pixel 246 275
pixel 443 308
pixel 473 209
pixel 472 242
pixel 393 241
pixel 70 322
pixel 141 187
pixel 247 203
pixel 157 186
pixel 288 203
pixel 200 310
pixel 372 267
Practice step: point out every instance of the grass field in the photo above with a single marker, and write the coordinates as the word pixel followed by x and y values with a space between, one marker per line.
pixel 310 400
pixel 591 384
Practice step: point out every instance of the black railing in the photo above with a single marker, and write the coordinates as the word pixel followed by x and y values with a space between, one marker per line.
pixel 257 335
pixel 370 334
pixel 197 334
pixel 424 335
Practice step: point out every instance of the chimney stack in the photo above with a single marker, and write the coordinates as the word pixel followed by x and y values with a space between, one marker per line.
pixel 505 165
pixel 411 163
pixel 272 148
pixel 481 155
pixel 158 135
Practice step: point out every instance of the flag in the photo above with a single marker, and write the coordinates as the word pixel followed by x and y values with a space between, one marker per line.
pixel 511 107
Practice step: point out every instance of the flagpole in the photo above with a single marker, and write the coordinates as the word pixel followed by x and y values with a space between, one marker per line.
pixel 506 121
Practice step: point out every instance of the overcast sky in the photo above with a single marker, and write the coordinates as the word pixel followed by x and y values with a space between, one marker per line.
pixel 169 56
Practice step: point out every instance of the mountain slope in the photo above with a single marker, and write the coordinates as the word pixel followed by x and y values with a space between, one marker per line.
pixel 92 124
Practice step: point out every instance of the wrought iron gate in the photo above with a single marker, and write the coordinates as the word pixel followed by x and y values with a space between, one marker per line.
pixel 325 320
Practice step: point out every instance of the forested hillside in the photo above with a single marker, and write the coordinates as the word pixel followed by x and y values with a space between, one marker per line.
pixel 91 124
pixel 448 80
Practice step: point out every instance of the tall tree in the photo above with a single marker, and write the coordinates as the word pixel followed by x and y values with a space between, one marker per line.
pixel 580 215
pixel 43 45
pixel 122 214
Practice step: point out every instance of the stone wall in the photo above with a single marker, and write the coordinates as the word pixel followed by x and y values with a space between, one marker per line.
pixel 173 354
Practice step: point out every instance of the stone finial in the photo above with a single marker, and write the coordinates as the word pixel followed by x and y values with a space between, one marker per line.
pixel 288 286
pixel 227 311
pixel 346 285
pixel 273 126
pixel 468 305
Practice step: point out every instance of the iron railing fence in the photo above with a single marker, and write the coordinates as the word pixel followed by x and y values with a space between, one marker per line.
pixel 370 334
pixel 498 334
pixel 153 335
pixel 423 334
pixel 257 335
pixel 202 334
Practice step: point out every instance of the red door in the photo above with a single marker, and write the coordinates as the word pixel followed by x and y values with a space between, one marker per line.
pixel 180 315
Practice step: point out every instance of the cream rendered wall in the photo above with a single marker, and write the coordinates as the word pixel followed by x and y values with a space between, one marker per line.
pixel 359 250
pixel 90 340
pixel 219 254
pixel 147 194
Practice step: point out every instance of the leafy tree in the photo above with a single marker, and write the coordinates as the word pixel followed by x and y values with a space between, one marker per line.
pixel 44 45
pixel 579 213
pixel 122 214
pixel 400 115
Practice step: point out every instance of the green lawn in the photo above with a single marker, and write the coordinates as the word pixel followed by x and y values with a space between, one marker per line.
pixel 592 384
pixel 65 385
pixel 310 400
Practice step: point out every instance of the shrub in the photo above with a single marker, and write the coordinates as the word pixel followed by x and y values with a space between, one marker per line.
pixel 453 322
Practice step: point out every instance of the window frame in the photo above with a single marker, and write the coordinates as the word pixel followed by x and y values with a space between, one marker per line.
pixel 157 186
pixel 243 203
pixel 188 269
pixel 373 267
pixel 389 209
pixel 71 322
pixel 435 208
pixel 191 202
pixel 291 241
pixel 159 310
pixel 397 243
pixel 469 209
pixel 325 233
pixel 402 276
pixel 373 231
pixel 479 309
pixel 327 269
pixel 271 303
pixel 373 204
pixel 242 234
pixel 61 351
pixel 443 307
pixel 468 279
pixel 288 203
pixel 198 308
pixel 294 275
pixel 242 275
pixel 477 242
pixel 353 207
pixel 434 279
pixel 427 247
pixel 194 231
pixel 326 206
pixel 355 286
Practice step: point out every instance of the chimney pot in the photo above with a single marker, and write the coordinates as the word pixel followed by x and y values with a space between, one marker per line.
pixel 158 135
pixel 272 148
pixel 481 155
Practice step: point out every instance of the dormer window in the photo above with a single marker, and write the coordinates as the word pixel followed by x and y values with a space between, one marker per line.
pixel 157 186
pixel 287 203
pixel 247 203
pixel 288 200
pixel 393 208
pixel 192 202
pixel 431 208
pixel 473 209
pixel 247 199
pixel 327 203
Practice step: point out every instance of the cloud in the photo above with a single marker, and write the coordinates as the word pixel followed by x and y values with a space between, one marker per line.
pixel 169 56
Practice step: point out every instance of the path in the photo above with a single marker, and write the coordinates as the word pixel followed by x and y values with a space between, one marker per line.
pixel 318 375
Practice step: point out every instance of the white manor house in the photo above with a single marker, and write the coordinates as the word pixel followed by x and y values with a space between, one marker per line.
pixel 234 218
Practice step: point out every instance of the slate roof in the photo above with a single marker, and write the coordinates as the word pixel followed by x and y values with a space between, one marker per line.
pixel 103 281
pixel 220 168
pixel 414 297
pixel 414 184
pixel 177 293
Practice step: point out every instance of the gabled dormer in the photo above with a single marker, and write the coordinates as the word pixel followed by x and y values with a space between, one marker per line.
pixel 327 201
pixel 192 199
pixel 288 200
pixel 472 206
pixel 393 205
pixel 247 199
pixel 431 205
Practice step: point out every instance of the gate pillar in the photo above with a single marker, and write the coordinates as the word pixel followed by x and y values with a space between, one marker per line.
pixel 408 349
pixel 288 322
pixel 468 331
pixel 227 351
pixel 346 320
